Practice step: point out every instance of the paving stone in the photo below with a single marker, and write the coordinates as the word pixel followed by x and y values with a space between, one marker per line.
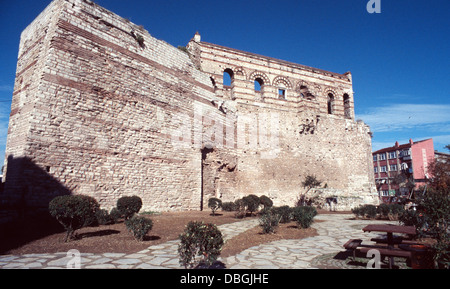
pixel 126 261
pixel 100 266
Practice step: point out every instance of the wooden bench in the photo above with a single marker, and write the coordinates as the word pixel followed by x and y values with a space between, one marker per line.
pixel 356 246
pixel 386 252
pixel 396 241
pixel 352 245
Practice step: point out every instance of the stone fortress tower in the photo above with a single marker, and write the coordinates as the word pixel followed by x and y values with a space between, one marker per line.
pixel 102 108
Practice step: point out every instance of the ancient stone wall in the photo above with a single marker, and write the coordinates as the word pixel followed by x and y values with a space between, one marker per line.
pixel 100 107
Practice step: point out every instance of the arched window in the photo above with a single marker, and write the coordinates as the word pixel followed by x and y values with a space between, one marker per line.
pixel 347 110
pixel 258 84
pixel 330 103
pixel 228 77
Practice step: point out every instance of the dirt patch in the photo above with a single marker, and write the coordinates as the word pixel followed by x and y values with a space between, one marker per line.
pixel 254 237
pixel 46 236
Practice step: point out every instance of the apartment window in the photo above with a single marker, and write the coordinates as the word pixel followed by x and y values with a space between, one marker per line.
pixel 393 168
pixel 375 158
pixel 384 193
pixel 383 169
pixel 382 157
pixel 405 153
pixel 375 169
pixel 392 155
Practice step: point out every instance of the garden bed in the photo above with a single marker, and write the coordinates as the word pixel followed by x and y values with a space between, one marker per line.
pixel 46 236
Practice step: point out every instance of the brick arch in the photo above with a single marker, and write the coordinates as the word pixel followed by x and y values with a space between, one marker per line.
pixel 239 70
pixel 284 80
pixel 328 90
pixel 258 74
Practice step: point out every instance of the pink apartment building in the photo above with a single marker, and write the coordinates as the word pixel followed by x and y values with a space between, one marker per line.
pixel 411 159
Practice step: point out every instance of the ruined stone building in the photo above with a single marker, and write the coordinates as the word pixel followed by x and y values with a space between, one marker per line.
pixel 102 108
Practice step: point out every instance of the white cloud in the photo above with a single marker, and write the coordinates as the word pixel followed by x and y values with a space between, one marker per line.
pixel 8 88
pixel 398 117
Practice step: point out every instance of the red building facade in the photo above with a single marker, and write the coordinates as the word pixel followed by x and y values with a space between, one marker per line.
pixel 402 168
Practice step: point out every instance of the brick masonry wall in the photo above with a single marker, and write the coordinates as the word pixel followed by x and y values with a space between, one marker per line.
pixel 96 112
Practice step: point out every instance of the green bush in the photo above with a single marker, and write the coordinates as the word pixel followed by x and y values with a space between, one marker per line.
pixel 269 222
pixel 240 209
pixel 139 226
pixel 304 216
pixel 214 204
pixel 228 206
pixel 285 212
pixel 251 203
pixel 431 219
pixel 129 205
pixel 266 201
pixel 115 215
pixel 73 212
pixel 390 211
pixel 365 211
pixel 104 218
pixel 200 243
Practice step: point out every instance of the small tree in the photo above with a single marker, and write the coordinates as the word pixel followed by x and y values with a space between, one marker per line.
pixel 252 203
pixel 309 183
pixel 265 201
pixel 214 204
pixel 73 212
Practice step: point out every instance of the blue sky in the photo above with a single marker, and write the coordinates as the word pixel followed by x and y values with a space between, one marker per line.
pixel 399 58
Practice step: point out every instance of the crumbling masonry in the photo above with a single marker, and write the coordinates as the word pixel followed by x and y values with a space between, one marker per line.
pixel 102 108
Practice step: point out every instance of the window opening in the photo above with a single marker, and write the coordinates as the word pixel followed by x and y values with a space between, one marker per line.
pixel 282 93
pixel 258 84
pixel 227 77
pixel 347 106
pixel 330 103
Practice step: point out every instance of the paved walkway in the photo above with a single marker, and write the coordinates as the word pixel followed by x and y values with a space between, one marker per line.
pixel 333 232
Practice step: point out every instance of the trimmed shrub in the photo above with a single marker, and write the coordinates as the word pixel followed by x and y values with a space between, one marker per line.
pixel 390 211
pixel 129 205
pixel 251 203
pixel 139 226
pixel 239 206
pixel 269 222
pixel 365 211
pixel 115 215
pixel 304 216
pixel 73 212
pixel 200 244
pixel 104 218
pixel 214 204
pixel 228 206
pixel 285 213
pixel 265 201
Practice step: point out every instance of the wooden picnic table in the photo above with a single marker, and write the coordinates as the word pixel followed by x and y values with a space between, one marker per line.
pixel 390 230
